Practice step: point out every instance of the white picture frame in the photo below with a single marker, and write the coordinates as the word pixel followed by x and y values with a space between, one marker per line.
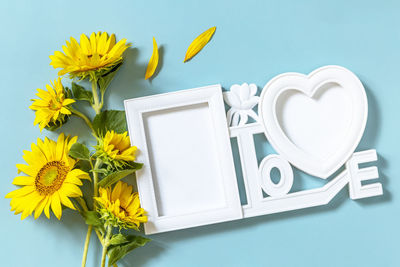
pixel 188 178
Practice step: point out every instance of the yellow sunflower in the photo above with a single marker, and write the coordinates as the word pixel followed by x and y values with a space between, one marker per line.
pixel 51 179
pixel 52 107
pixel 115 147
pixel 120 207
pixel 90 55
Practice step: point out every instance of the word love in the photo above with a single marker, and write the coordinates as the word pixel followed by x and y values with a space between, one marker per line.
pixel 279 200
pixel 314 122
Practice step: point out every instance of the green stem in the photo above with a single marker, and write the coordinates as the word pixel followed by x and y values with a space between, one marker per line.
pixel 102 98
pixel 82 202
pixel 96 105
pixel 85 208
pixel 90 227
pixel 102 242
pixel 106 243
pixel 85 250
pixel 96 178
pixel 82 116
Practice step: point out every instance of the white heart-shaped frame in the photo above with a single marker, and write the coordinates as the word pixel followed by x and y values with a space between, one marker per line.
pixel 314 121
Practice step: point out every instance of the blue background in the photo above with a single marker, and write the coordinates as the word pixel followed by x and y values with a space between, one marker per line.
pixel 254 41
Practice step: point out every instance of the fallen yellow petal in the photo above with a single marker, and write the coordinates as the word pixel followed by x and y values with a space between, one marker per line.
pixel 199 43
pixel 152 66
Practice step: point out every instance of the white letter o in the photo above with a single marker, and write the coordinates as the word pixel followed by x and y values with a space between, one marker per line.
pixel 264 175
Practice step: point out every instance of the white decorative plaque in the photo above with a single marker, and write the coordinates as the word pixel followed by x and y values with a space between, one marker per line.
pixel 315 122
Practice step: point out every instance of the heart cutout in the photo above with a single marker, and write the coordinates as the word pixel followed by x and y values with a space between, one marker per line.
pixel 315 121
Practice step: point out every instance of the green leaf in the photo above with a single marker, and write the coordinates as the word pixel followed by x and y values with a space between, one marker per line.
pixel 117 252
pixel 118 239
pixel 68 92
pixel 83 165
pixel 92 218
pixel 109 120
pixel 116 176
pixel 105 80
pixel 81 94
pixel 134 165
pixel 79 151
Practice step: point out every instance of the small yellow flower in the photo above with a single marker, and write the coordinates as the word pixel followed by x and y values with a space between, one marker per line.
pixel 52 107
pixel 51 179
pixel 115 147
pixel 120 207
pixel 92 54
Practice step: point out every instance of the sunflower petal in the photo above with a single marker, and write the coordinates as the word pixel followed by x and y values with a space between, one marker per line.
pixel 23 180
pixel 56 205
pixel 79 174
pixel 60 146
pixel 21 192
pixel 152 66
pixel 198 43
pixel 72 179
pixel 30 203
pixel 66 201
pixel 71 190
pixel 29 170
pixel 47 208
pixel 40 207
pixel 116 191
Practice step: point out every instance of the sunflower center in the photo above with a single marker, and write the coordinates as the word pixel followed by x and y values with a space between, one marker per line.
pixel 51 177
pixel 118 147
pixel 124 210
pixel 55 105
